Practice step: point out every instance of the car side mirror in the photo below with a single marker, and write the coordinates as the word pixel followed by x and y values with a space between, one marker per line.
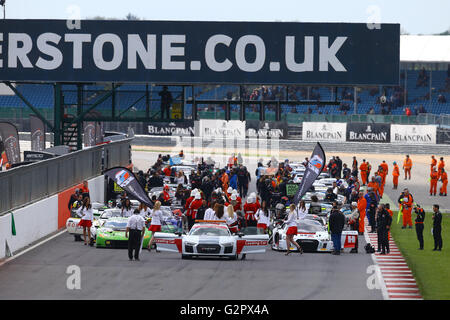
pixel 178 234
pixel 240 234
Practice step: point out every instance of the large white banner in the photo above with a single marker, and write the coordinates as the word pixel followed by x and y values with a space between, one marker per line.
pixel 213 128
pixel 413 134
pixel 324 131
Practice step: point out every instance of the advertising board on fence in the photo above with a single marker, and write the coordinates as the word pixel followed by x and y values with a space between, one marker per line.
pixel 324 131
pixel 184 129
pixel 266 129
pixel 368 132
pixel 208 128
pixel 413 134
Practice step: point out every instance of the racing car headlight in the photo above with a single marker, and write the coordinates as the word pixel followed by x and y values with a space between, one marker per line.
pixel 190 243
pixel 227 244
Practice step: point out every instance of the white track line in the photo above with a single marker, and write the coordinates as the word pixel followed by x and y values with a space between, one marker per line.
pixel 396 279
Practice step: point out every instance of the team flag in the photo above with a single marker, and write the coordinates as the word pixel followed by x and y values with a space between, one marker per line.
pixel 313 169
pixel 400 213
pixel 13 225
pixel 125 179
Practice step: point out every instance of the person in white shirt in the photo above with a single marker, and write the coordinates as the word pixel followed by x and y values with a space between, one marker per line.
pixel 126 209
pixel 219 212
pixel 155 225
pixel 180 178
pixel 144 211
pixel 231 218
pixel 87 215
pixel 291 223
pixel 301 210
pixel 263 218
pixel 209 213
pixel 136 228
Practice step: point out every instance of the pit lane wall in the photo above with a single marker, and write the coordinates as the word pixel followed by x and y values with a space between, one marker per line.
pixel 41 218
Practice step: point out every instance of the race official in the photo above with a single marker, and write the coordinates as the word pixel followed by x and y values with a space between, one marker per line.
pixel 353 221
pixel 395 175
pixel 136 229
pixel 420 218
pixel 433 181
pixel 406 200
pixel 407 166
pixel 384 221
pixel 444 179
pixel 336 224
pixel 437 228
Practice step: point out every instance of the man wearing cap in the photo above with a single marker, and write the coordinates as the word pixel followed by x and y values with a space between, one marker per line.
pixel 419 224
pixel 395 175
pixel 73 198
pixel 407 166
pixel 406 200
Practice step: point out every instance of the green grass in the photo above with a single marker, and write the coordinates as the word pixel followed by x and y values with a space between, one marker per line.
pixel 430 268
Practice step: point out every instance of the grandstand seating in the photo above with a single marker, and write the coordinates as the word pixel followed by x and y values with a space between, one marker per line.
pixel 42 96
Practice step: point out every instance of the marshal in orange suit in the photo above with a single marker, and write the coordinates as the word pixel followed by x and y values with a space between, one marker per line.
pixel 444 179
pixel 407 166
pixel 395 175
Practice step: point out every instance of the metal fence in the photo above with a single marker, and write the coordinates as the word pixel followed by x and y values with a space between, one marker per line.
pixel 29 183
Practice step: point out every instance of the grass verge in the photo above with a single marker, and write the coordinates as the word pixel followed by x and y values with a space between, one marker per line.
pixel 430 268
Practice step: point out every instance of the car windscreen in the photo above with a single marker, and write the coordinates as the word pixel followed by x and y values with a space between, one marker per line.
pixel 116 225
pixel 111 214
pixel 209 231
pixel 309 227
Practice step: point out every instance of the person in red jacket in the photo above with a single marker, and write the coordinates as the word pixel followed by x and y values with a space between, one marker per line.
pixel 166 195
pixel 250 208
pixel 193 208
pixel 167 171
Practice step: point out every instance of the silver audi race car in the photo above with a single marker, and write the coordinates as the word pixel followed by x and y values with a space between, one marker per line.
pixel 212 239
pixel 312 236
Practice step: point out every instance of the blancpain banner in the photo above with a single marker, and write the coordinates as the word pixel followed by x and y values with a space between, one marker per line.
pixel 207 128
pixel 413 134
pixel 324 131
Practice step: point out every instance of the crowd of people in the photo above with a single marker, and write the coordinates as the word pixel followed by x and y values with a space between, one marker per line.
pixel 210 193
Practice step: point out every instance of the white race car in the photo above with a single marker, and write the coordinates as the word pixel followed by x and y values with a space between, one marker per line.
pixel 312 236
pixel 213 239
pixel 72 223
pixel 327 181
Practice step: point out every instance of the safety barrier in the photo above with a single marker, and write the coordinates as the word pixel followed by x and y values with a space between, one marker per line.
pixel 29 183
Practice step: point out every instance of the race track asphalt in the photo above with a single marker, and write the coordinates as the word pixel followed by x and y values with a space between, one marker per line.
pixel 107 274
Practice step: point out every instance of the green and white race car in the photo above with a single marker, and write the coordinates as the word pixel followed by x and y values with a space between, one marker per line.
pixel 112 234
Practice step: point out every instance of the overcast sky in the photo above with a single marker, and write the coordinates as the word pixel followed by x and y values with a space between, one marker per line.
pixel 415 16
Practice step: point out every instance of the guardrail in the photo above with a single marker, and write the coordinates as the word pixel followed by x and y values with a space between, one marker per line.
pixel 29 183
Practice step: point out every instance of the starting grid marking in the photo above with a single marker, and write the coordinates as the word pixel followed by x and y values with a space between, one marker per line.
pixel 397 278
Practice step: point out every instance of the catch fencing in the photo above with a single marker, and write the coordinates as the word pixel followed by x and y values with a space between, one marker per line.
pixel 29 183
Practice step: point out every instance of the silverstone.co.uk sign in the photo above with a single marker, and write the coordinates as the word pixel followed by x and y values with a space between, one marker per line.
pixel 199 52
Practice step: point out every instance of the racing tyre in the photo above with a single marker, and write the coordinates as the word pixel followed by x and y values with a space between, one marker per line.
pixel 91 242
pixel 77 237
